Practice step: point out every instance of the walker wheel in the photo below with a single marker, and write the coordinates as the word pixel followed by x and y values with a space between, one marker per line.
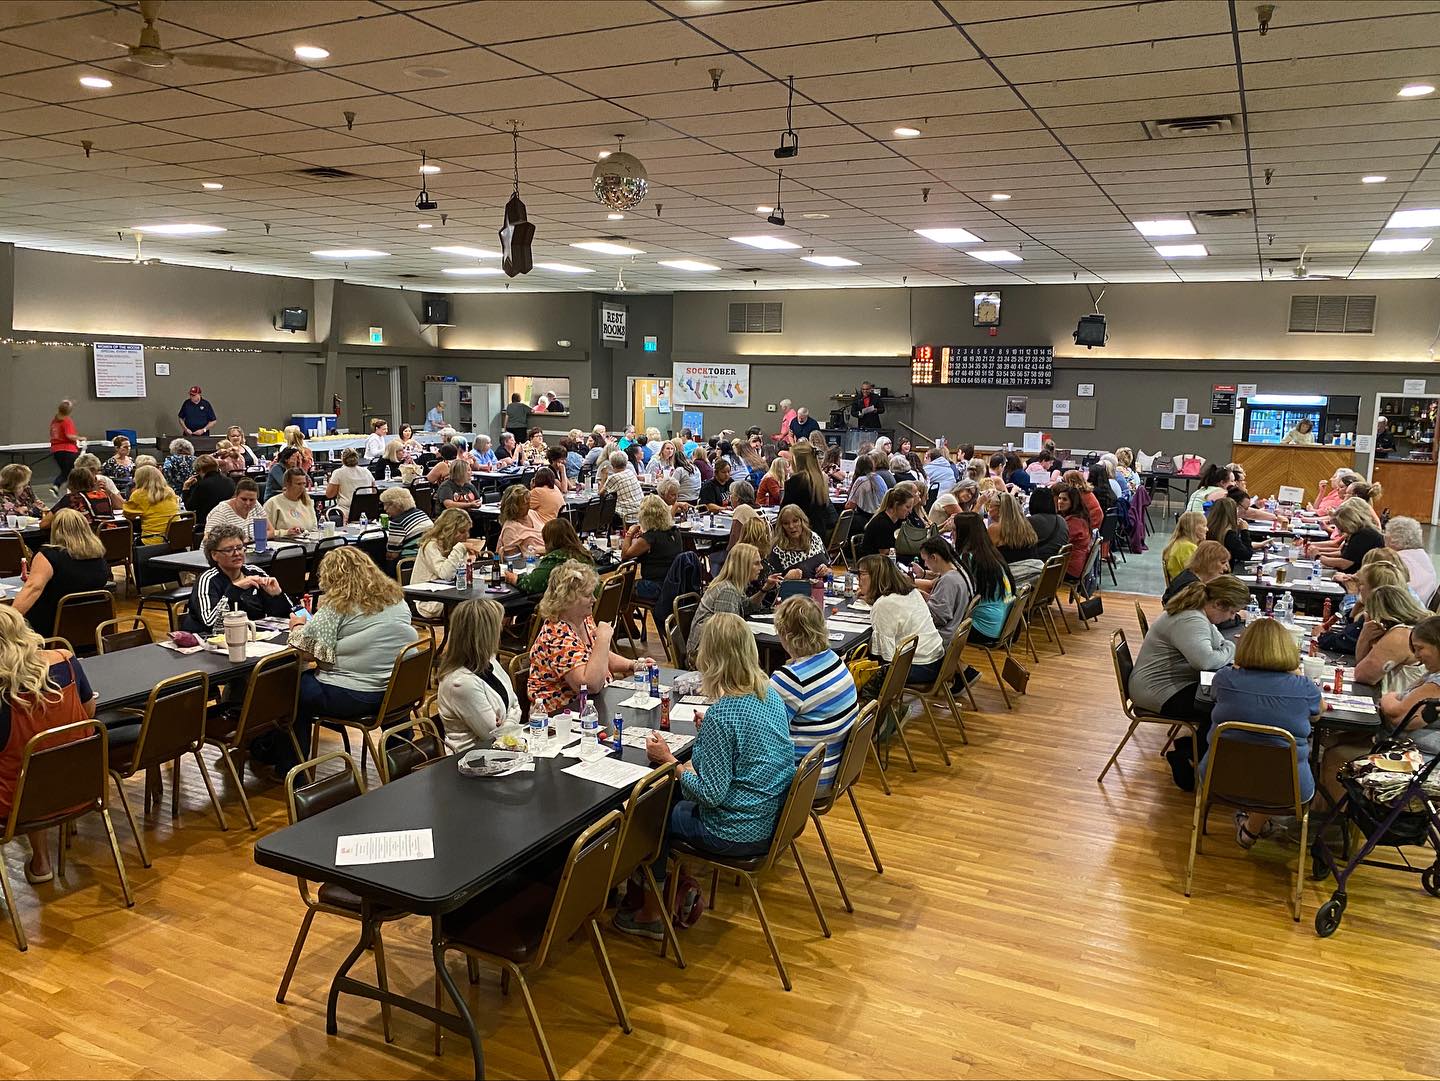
pixel 1430 879
pixel 1327 919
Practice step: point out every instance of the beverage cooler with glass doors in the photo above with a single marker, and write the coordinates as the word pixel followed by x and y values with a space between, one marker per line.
pixel 1269 418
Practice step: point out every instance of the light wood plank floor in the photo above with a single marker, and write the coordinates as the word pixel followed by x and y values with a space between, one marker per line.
pixel 1028 923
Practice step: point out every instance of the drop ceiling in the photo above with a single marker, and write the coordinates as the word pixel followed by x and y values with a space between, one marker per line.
pixel 1045 101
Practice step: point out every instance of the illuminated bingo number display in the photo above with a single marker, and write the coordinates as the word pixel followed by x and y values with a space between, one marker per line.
pixel 982 366
pixel 923 368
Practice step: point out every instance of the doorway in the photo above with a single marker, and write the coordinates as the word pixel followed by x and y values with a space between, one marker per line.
pixel 1409 475
pixel 371 393
pixel 649 404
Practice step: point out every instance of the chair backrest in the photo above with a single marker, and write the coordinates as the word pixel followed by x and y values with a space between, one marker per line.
pixel 1016 616
pixel 118 540
pixel 612 590
pixel 272 695
pixel 409 680
pixel 180 532
pixel 647 814
pixel 404 569
pixel 124 633
pixel 855 754
pixel 1140 618
pixel 1124 664
pixel 585 882
pixel 1047 586
pixel 408 746
pixel 533 632
pixel 519 670
pixel 954 657
pixel 1259 774
pixel 12 551
pixel 599 514
pixel 79 615
pixel 674 642
pixel 174 720
pixel 1109 526
pixel 63 774
pixel 841 533
pixel 306 801
pixel 365 501
pixel 795 813
pixel 686 605
pixel 898 672
pixel 287 567
pixel 424 497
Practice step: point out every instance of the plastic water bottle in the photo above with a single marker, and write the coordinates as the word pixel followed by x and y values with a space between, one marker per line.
pixel 529 563
pixel 364 519
pixel 1252 610
pixel 1285 609
pixel 642 684
pixel 460 578
pixel 589 727
pixel 1315 573
pixel 1270 604
pixel 539 730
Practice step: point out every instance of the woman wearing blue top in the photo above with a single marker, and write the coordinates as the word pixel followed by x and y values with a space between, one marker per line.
pixel 1262 687
pixel 990 574
pixel 483 457
pixel 740 768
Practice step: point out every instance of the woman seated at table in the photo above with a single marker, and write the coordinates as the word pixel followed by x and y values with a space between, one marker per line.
pixel 831 468
pixel 1051 533
pixel 772 484
pixel 180 465
pixel 1190 530
pixel 102 482
pixel 275 478
pixel 1396 706
pixel 742 501
pixel 83 494
pixel 1331 493
pixel 294 437
pixel 507 454
pixel 532 452
pixel 1222 524
pixel 1262 687
pixel 411 449
pixel 519 525
pixel 687 480
pixel 231 461
pixel 655 542
pixel 572 650
pixel 878 536
pixel 350 478
pixel 474 693
pixel 119 468
pixel 731 590
pixel 1359 532
pixel 942 514
pixel 546 500
pixel 866 492
pixel 1070 507
pixel 1210 560
pixel 446 455
pixel 1215 481
pixel 238 440
pixel 40 689
pixel 444 549
pixel 206 489
pixel 240 510
pixel 151 506
pixel 232 583
pixel 1015 538
pixel 740 770
pixel 408 523
pixel 291 512
pixel 555 462
pixel 16 494
pixel 1093 510
pixel 814 685
pixel 354 638
pixel 1391 611
pixel 458 490
pixel 946 586
pixel 662 462
pixel 561 543
pixel 989 575
pixel 72 562
pixel 715 492
pixel 897 611
pixel 797 551
pixel 1181 644
pixel 1403 536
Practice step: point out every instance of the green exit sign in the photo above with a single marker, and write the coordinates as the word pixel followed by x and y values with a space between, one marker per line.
pixel 377 335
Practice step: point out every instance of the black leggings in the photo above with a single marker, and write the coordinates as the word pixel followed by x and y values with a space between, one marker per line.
pixel 65 459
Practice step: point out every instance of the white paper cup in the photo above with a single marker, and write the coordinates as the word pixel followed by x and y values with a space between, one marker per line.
pixel 1314 668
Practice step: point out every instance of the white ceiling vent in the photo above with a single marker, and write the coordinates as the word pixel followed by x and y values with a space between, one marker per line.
pixel 1332 315
pixel 1188 127
pixel 759 318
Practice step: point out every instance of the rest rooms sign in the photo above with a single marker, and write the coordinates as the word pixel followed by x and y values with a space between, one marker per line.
pixel 612 323
pixel 710 385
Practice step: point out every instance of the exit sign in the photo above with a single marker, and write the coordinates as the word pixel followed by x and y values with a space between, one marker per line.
pixel 377 335
pixel 652 343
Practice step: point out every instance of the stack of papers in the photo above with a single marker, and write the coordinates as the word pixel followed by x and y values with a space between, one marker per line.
pixel 636 737
pixel 1359 703
pixel 431 587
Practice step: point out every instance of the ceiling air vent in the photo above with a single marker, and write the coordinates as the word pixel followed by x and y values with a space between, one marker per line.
pixel 325 172
pixel 755 318
pixel 1188 127
pixel 1223 215
pixel 222 251
pixel 1332 315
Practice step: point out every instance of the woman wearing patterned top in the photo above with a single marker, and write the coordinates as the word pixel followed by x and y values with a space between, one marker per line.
pixel 739 771
pixel 120 466
pixel 180 465
pixel 797 551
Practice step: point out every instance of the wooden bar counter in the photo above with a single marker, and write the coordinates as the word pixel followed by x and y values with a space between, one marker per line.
pixel 1268 466
pixel 1407 486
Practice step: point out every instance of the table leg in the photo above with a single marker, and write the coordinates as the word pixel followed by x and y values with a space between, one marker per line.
pixel 467 1023
pixel 367 931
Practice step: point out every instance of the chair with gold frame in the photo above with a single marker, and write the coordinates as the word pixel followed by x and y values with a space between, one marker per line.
pixel 410 745
pixel 404 693
pixel 1124 665
pixel 852 764
pixel 951 665
pixel 642 838
pixel 891 696
pixel 272 695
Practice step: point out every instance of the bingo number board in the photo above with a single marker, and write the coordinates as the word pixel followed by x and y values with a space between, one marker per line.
pixel 982 366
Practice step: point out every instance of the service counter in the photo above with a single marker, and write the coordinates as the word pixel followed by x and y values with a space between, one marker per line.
pixel 1407 486
pixel 1271 466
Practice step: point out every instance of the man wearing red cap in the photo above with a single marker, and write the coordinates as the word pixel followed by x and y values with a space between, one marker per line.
pixel 196 414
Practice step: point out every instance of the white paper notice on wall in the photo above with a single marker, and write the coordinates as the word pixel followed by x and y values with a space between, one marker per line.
pixel 594 394
pixel 1060 405
pixel 1180 405
pixel 1414 386
pixel 162 369
pixel 1014 420
pixel 1060 420
pixel 1364 444
pixel 1247 390
pixel 1085 390
pixel 1167 421
pixel 1032 443
pixel 1192 422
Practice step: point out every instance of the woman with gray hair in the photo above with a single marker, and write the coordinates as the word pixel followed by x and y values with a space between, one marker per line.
pixel 626 486
pixel 1403 536
pixel 966 492
pixel 180 465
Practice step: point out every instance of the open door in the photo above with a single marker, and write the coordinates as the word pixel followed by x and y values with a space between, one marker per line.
pixel 650 405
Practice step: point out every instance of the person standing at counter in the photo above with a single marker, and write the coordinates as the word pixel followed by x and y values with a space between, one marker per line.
pixel 1384 438
pixel 1302 435
pixel 435 419
pixel 197 416
pixel 867 407
pixel 517 418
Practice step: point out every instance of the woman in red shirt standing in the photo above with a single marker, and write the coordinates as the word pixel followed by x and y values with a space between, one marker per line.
pixel 64 443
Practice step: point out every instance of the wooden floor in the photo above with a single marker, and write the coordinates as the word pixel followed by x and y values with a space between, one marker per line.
pixel 1028 923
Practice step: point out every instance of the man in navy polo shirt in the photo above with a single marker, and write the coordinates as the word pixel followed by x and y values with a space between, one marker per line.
pixel 196 414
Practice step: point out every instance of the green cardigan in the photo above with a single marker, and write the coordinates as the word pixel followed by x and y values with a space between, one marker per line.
pixel 535 581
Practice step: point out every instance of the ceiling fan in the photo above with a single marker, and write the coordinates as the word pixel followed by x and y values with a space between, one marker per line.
pixel 148 53
pixel 139 259
pixel 1300 270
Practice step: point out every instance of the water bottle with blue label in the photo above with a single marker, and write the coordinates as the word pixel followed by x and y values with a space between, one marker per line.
pixel 589 727
pixel 1252 610
pixel 539 729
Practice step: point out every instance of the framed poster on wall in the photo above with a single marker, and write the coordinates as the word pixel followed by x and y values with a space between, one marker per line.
pixel 119 370
pixel 724 385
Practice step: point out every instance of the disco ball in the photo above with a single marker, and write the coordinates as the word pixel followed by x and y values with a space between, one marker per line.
pixel 620 181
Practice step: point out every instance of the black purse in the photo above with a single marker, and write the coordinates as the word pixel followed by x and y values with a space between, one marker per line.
pixel 1091 608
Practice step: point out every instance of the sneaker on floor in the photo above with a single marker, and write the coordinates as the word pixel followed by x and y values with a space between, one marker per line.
pixel 626 923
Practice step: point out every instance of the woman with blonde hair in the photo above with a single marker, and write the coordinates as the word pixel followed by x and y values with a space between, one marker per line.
pixel 1013 535
pixel 1210 561
pixel 16 494
pixel 40 690
pixel 897 611
pixel 519 525
pixel 729 591
pixel 572 650
pixel 294 437
pixel 291 511
pixel 1189 531
pixel 796 551
pixel 655 542
pixel 1358 526
pixel 229 456
pixel 1391 612
pixel 102 482
pixel 662 462
pixel 740 768
pixel 474 693
pixel 153 503
pixel 72 562
pixel 444 549
pixel 236 435
pixel 772 484
pixel 942 513
pixel 354 638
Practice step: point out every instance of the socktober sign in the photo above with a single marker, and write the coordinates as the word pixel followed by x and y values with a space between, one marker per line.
pixel 712 385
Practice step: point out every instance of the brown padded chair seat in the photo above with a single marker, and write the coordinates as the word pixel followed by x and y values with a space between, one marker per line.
pixel 509 926
pixel 741 863
pixel 339 897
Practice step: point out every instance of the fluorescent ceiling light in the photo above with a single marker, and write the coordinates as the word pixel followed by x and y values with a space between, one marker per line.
pixel 95 82
pixel 469 253
pixel 425 225
pixel 1401 244
pixel 212 185
pixel 350 253
pixel 1413 219
pixel 764 210
pixel 829 260
pixel 565 268
pixel 768 243
pixel 605 247
pixel 1373 179
pixel 311 52
pixel 604 154
pixel 1181 251
pixel 815 215
pixel 998 197
pixel 429 168
pixel 471 271
pixel 177 229
pixel 1415 90
pixel 687 264
pixel 949 235
pixel 615 217
pixel 998 256
pixel 1166 227
pixel 907 133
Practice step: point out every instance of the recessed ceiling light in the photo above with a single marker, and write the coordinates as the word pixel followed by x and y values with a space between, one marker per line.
pixel 615 217
pixel 829 260
pixel 604 154
pixel 768 243
pixel 949 235
pixel 426 71
pixel 212 185
pixel 764 210
pixel 815 216
pixel 907 133
pixel 1415 90
pixel 471 271
pixel 605 247
pixel 95 82
pixel 1413 219
pixel 1399 244
pixel 311 52
pixel 469 253
pixel 350 253
pixel 687 264
pixel 1373 179
pixel 998 197
pixel 177 229
pixel 565 268
pixel 429 169
pixel 997 256
pixel 425 225
pixel 1166 227
pixel 1182 251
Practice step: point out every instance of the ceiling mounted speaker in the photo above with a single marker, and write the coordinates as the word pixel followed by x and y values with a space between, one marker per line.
pixel 620 180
